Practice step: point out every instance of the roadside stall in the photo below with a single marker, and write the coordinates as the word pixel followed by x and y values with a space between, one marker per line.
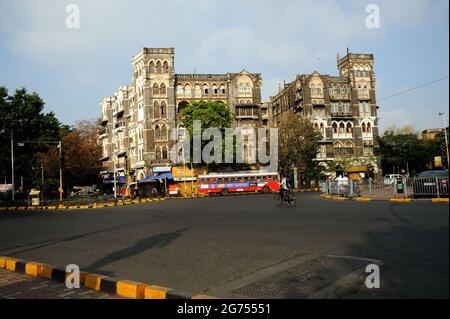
pixel 35 198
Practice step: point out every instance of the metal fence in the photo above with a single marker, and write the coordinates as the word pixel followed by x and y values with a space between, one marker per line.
pixel 382 188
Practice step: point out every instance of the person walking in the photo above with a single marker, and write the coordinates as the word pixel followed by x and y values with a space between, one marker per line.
pixel 123 192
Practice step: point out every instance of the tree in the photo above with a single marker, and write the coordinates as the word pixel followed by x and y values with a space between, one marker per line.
pixel 81 153
pixel 406 151
pixel 22 114
pixel 298 143
pixel 212 114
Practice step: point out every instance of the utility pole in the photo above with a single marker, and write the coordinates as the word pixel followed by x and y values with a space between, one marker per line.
pixel 60 174
pixel 446 138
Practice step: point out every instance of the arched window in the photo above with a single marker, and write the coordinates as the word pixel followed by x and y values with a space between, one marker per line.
pixel 335 127
pixel 163 132
pixel 163 109
pixel 187 90
pixel 241 88
pixel 222 89
pixel 165 67
pixel 164 152
pixel 341 128
pixel 197 90
pixel 180 90
pixel 158 152
pixel 363 127
pixel 162 89
pixel 158 67
pixel 349 128
pixel 157 133
pixel 156 110
pixel 152 67
pixel 181 106
pixel 369 128
pixel 155 89
pixel 205 89
pixel 316 126
pixel 248 88
pixel 215 90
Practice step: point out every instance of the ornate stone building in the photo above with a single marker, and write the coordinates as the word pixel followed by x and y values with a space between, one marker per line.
pixel 137 119
pixel 343 108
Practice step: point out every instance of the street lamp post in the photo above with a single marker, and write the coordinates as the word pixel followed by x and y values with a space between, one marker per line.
pixel 12 165
pixel 59 146
pixel 446 138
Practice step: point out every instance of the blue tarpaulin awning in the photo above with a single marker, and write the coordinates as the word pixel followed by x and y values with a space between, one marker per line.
pixel 157 177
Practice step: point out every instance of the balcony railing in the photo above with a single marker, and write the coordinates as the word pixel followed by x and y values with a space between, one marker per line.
pixel 325 155
pixel 119 124
pixel 342 135
pixel 343 151
pixel 363 94
pixel 341 114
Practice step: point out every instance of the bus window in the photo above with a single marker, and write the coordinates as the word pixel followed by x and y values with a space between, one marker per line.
pixel 219 180
pixel 227 179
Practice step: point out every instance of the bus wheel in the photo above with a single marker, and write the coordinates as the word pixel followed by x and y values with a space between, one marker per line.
pixel 224 192
pixel 266 190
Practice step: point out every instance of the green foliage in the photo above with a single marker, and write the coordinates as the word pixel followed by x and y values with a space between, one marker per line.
pixel 298 143
pixel 22 113
pixel 210 113
pixel 407 150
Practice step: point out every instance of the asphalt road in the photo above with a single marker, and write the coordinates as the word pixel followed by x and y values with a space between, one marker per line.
pixel 216 245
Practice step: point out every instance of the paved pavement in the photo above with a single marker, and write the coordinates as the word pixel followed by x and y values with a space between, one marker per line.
pixel 227 246
pixel 15 285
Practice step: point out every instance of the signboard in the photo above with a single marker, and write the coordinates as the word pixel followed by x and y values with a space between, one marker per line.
pixel 162 169
pixel 438 161
pixel 185 172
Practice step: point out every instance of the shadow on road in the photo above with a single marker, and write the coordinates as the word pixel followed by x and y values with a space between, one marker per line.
pixel 156 241
pixel 45 243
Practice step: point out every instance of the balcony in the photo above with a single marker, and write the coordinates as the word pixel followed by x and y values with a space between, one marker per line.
pixel 102 132
pixel 119 125
pixel 324 155
pixel 343 151
pixel 342 135
pixel 342 114
pixel 363 94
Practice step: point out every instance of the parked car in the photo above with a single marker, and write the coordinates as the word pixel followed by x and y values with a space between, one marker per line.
pixel 390 179
pixel 431 184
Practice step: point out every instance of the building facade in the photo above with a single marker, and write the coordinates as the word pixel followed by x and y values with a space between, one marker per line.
pixel 137 120
pixel 343 108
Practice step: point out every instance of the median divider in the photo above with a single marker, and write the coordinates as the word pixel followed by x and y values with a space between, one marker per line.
pixel 81 206
pixel 392 200
pixel 123 288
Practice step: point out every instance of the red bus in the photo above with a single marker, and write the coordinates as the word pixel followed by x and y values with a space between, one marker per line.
pixel 238 182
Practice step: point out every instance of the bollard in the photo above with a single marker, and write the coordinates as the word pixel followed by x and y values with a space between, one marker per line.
pixel 437 187
pixel 351 189
pixel 405 189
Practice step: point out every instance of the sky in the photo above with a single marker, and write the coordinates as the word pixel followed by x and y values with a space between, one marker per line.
pixel 72 69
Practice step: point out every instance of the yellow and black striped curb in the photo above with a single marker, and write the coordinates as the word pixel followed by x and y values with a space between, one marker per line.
pixel 123 288
pixel 392 200
pixel 94 205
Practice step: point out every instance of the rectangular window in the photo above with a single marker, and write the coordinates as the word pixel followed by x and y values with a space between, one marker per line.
pixel 334 107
